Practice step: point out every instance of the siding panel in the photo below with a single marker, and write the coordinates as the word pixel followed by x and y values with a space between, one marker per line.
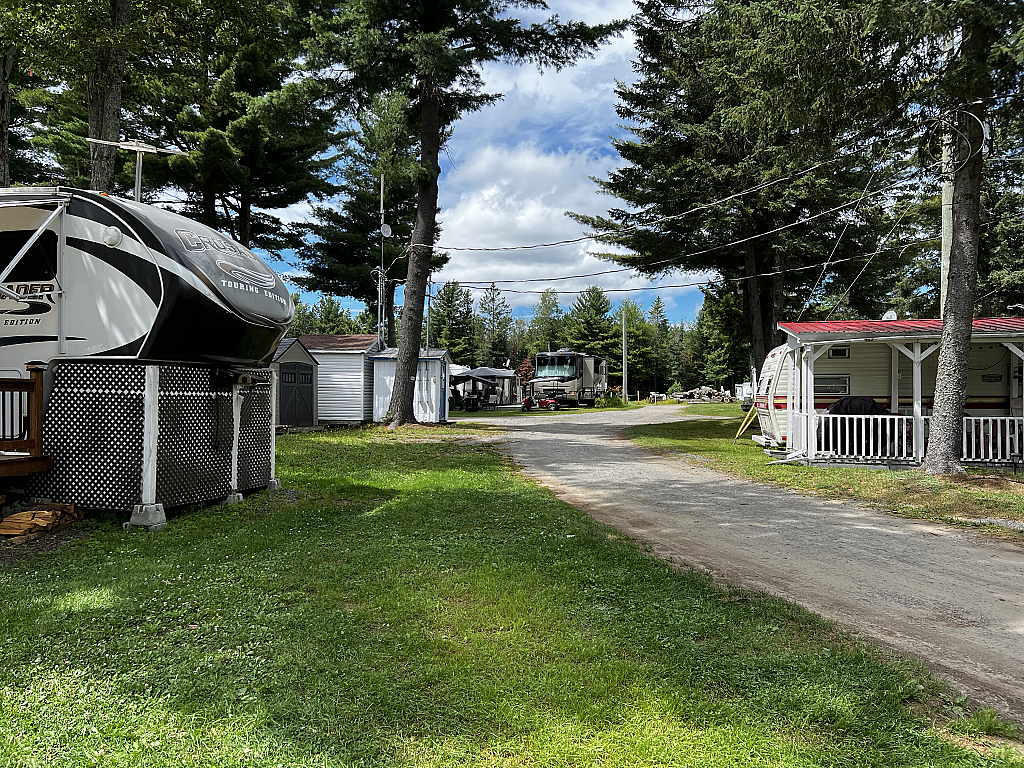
pixel 341 387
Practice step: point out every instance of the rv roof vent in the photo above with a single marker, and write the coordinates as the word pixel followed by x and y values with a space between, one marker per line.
pixel 890 315
pixel 563 351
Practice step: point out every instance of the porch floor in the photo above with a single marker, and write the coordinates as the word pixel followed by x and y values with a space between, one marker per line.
pixel 22 464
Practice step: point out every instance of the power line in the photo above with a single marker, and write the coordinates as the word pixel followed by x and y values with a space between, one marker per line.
pixel 740 241
pixel 902 247
pixel 675 216
pixel 863 257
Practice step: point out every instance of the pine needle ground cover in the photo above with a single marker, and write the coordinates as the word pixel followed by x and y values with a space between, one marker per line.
pixel 412 601
pixel 983 494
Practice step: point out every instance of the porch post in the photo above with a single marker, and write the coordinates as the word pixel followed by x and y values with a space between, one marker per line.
pixel 810 436
pixel 1014 387
pixel 918 414
pixel 894 397
pixel 792 422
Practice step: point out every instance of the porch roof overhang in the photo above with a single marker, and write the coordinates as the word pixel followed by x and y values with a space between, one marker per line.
pixel 851 331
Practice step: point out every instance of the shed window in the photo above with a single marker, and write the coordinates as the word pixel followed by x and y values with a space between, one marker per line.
pixel 831 385
pixel 305 378
pixel 287 378
pixel 839 352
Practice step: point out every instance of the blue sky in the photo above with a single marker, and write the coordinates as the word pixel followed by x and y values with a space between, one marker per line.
pixel 512 170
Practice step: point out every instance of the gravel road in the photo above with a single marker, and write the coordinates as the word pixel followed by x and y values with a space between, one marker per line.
pixel 950 597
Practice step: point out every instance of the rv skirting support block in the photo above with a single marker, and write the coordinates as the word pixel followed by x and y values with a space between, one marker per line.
pixel 274 484
pixel 233 498
pixel 148 516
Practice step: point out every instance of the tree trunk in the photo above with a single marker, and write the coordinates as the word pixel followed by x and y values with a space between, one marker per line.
pixel 209 208
pixel 103 87
pixel 245 219
pixel 389 314
pixel 420 254
pixel 945 434
pixel 752 308
pixel 6 67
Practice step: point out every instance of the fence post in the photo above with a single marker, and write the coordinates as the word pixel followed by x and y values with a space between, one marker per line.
pixel 35 408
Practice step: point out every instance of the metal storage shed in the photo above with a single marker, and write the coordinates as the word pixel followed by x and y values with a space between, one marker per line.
pixel 430 403
pixel 296 370
pixel 344 376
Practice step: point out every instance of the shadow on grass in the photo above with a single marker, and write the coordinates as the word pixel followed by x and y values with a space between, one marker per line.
pixel 420 604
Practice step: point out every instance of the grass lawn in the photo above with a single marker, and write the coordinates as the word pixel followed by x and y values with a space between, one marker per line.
pixel 981 494
pixel 413 601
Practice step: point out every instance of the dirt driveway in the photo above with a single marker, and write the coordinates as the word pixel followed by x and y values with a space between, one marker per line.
pixel 950 597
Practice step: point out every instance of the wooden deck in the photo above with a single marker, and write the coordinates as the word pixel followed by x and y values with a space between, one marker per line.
pixel 21 424
pixel 23 465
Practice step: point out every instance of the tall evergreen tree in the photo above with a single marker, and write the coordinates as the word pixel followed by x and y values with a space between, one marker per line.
pixel 258 140
pixel 439 48
pixel 451 323
pixel 495 328
pixel 345 244
pixel 589 328
pixel 717 110
pixel 546 324
pixel 661 340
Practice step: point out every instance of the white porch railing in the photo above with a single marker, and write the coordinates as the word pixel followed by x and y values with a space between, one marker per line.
pixel 865 437
pixel 991 439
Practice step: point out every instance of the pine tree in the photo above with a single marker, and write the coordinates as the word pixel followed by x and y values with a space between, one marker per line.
pixel 546 324
pixel 590 330
pixel 451 323
pixel 495 328
pixel 257 141
pixel 437 50
pixel 345 243
pixel 716 110
pixel 661 333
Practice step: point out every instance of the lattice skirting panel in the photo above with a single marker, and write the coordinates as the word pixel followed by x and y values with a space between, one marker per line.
pixel 123 434
pixel 93 430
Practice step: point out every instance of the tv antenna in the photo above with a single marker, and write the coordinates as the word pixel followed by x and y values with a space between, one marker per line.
pixel 140 149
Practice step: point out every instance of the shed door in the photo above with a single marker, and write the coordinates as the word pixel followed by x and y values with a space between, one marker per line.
pixel 297 394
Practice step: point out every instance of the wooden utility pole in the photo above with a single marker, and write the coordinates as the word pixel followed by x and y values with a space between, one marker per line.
pixel 625 362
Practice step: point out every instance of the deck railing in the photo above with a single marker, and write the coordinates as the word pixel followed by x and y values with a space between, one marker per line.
pixel 865 437
pixel 21 414
pixel 991 439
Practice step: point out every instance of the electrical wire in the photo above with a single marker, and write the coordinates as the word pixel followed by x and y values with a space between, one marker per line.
pixel 709 281
pixel 740 241
pixel 675 216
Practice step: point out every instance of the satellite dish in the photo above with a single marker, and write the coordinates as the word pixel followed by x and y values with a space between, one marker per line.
pixel 890 315
pixel 385 230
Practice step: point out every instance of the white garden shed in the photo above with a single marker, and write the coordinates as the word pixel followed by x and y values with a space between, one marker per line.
pixel 430 403
pixel 344 376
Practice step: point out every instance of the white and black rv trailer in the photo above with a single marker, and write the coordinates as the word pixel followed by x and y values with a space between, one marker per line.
pixel 570 377
pixel 156 333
